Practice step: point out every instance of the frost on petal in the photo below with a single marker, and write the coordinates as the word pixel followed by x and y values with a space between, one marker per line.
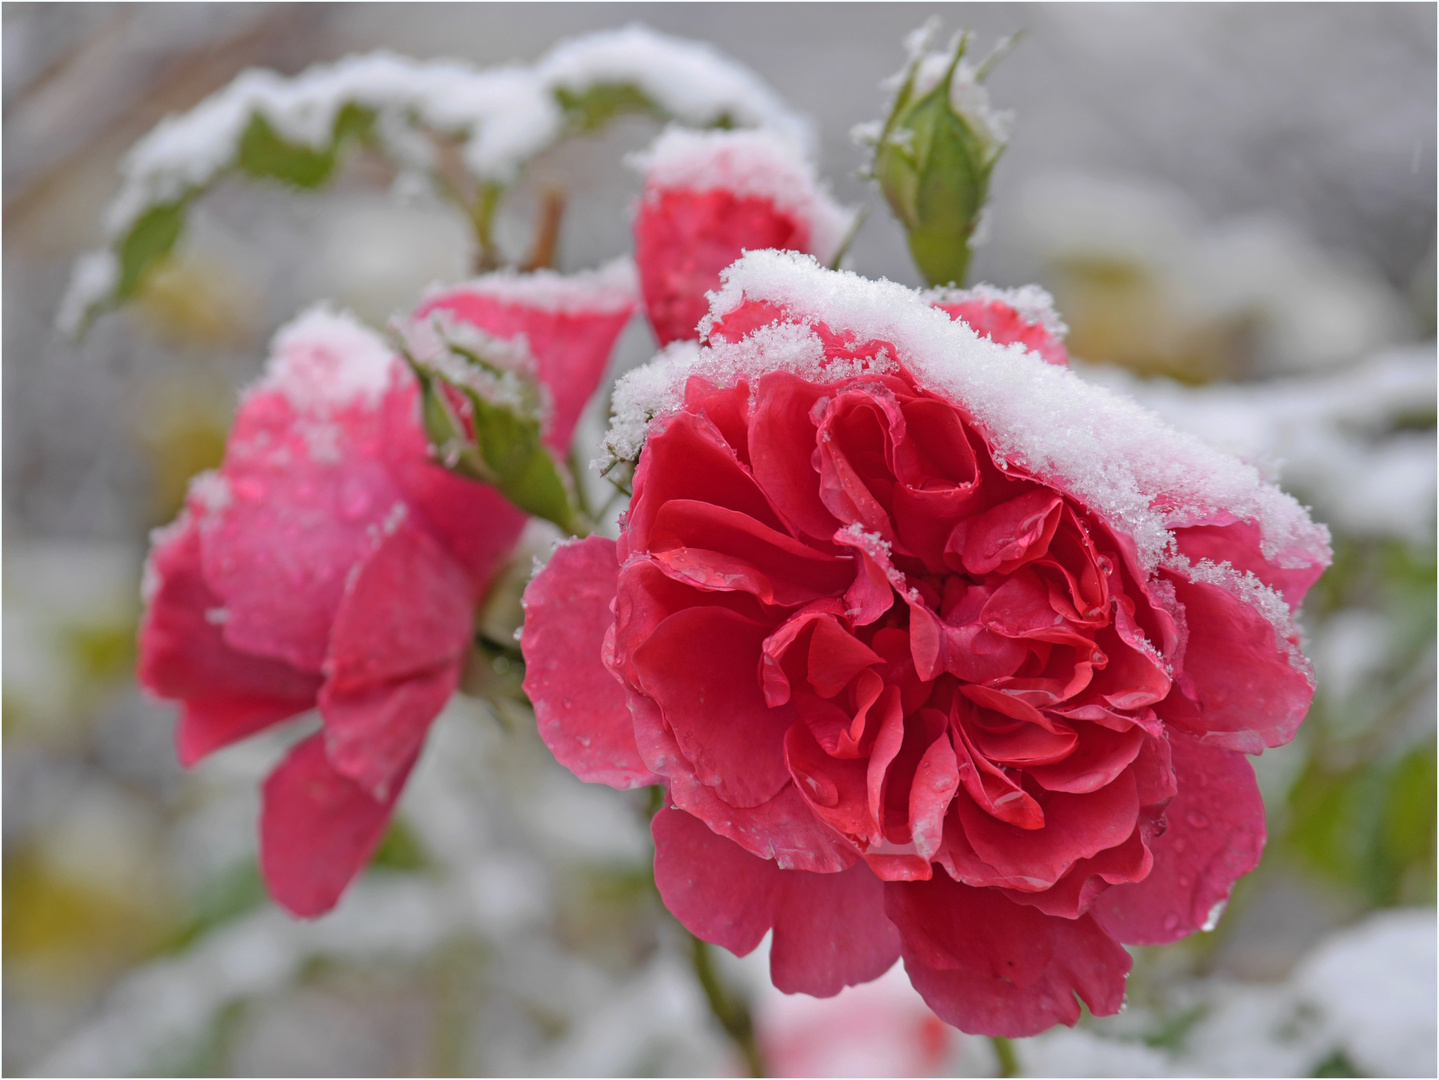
pixel 990 966
pixel 829 929
pixel 226 694
pixel 580 707
pixel 318 829
pixel 303 488
pixel 569 322
pixel 1214 836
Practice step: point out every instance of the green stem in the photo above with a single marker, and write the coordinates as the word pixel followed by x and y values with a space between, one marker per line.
pixel 731 1010
pixel 482 217
pixel 1008 1060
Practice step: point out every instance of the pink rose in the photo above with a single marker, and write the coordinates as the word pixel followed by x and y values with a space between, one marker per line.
pixel 940 651
pixel 880 1028
pixel 330 562
pixel 710 196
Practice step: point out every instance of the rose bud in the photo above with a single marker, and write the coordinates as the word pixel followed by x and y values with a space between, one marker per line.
pixel 934 153
pixel 331 562
pixel 710 196
pixel 1006 316
pixel 940 651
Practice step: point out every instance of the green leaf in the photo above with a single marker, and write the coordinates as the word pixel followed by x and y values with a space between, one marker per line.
pixel 595 106
pixel 150 239
pixel 265 155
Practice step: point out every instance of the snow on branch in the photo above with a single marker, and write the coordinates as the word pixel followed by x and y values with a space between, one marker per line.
pixel 296 130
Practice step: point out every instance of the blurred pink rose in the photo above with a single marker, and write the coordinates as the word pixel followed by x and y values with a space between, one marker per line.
pixel 710 196
pixel 330 562
pixel 939 651
pixel 880 1028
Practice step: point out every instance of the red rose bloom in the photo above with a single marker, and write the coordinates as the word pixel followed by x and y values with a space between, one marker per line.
pixel 939 651
pixel 709 197
pixel 330 562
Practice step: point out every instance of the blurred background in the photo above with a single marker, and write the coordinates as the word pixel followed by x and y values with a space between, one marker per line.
pixel 1234 207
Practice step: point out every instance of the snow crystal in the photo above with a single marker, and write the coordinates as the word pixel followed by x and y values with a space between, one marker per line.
pixel 651 390
pixel 508 375
pixel 325 361
pixel 1101 447
pixel 612 288
pixel 1033 303
pixel 758 163
pixel 693 82
pixel 210 491
pixel 967 96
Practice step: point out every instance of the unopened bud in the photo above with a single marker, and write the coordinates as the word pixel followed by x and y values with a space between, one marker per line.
pixel 934 154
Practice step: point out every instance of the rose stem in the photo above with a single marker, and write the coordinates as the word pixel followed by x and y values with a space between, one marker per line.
pixel 1004 1050
pixel 730 1010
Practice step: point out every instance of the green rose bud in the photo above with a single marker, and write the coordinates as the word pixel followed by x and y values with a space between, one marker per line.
pixel 933 155
pixel 484 412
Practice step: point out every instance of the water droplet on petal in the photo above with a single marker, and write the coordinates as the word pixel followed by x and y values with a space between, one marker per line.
pixel 1197 820
pixel 1171 921
pixel 1215 914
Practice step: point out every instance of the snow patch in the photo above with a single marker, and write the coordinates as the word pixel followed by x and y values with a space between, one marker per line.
pixel 326 361
pixel 1033 303
pixel 611 288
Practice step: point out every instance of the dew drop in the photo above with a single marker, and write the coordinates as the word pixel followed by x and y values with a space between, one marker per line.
pixel 1171 921
pixel 1215 914
pixel 1197 820
pixel 1185 881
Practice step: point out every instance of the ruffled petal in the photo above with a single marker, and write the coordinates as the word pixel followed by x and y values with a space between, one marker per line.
pixel 783 828
pixel 830 930
pixel 990 966
pixel 701 665
pixel 1215 835
pixel 580 706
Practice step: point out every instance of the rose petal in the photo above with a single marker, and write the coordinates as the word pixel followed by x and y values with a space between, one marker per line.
pixel 683 239
pixel 1214 836
pixel 992 967
pixel 701 666
pixel 1075 827
pixel 227 694
pixel 783 829
pixel 318 829
pixel 580 707
pixel 830 930
pixel 782 440
pixel 1247 692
